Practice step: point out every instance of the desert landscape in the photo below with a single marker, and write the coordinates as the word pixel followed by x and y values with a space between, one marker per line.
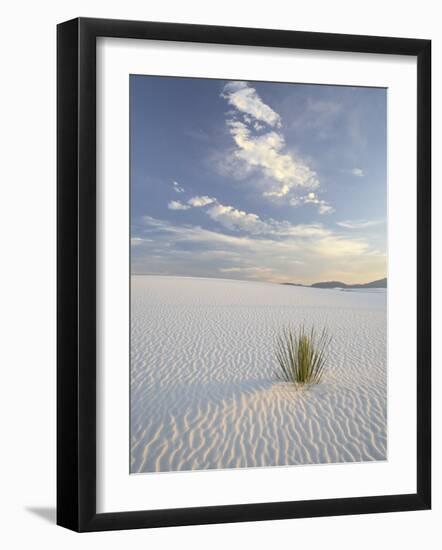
pixel 258 261
pixel 204 393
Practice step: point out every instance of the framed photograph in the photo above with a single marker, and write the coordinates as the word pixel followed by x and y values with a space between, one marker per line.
pixel 243 274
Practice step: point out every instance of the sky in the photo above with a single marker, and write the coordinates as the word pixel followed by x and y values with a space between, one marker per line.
pixel 257 180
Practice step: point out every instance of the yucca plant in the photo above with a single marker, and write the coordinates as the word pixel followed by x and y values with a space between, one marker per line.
pixel 301 355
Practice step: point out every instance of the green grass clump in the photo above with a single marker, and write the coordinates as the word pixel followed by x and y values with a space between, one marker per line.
pixel 301 355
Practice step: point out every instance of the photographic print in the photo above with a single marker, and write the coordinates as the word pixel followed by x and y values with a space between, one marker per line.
pixel 258 283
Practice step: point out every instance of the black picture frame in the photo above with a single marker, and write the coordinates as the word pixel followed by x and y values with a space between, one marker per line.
pixel 77 287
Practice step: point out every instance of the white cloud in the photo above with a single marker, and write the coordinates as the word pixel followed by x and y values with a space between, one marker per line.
pixel 358 172
pixel 282 171
pixel 139 241
pixel 265 152
pixel 247 101
pixel 199 201
pixel 358 224
pixel 231 269
pixel 233 219
pixel 323 206
pixel 177 187
pixel 295 201
pixel 177 205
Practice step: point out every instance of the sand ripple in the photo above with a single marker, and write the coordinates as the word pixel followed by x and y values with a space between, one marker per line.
pixel 203 393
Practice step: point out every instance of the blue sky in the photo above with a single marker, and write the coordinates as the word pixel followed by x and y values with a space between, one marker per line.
pixel 257 180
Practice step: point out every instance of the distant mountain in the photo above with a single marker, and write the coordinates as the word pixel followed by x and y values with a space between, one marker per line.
pixel 381 283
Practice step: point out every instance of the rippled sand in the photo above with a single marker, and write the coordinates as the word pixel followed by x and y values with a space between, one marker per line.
pixel 203 392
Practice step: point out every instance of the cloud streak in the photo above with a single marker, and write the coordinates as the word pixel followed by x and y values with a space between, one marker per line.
pixel 235 219
pixel 177 187
pixel 263 249
pixel 358 224
pixel 323 206
pixel 177 205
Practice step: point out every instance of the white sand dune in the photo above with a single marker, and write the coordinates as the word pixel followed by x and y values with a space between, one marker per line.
pixel 203 390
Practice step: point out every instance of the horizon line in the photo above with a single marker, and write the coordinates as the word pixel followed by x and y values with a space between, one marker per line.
pixel 252 280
